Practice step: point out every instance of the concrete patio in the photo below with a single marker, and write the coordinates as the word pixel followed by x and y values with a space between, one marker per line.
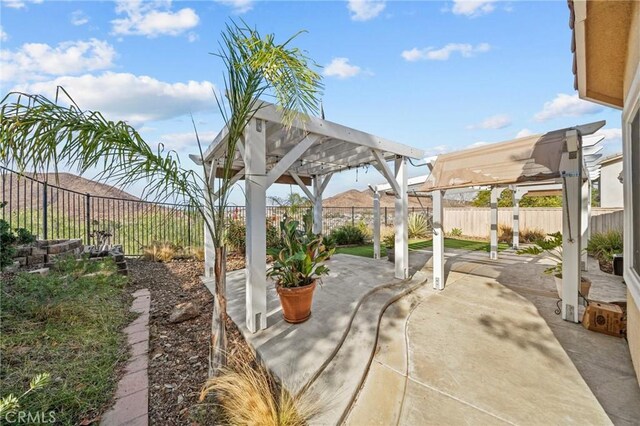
pixel 342 328
pixel 490 350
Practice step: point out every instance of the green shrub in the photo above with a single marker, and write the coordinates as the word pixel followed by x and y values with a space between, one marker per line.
pixel 604 245
pixel 273 236
pixel 348 234
pixel 23 236
pixel 7 242
pixel 389 241
pixel 237 236
pixel 366 230
pixel 418 226
pixel 456 232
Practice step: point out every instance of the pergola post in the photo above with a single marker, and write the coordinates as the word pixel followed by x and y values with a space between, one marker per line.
pixel 317 205
pixel 438 240
pixel 571 226
pixel 256 252
pixel 585 212
pixel 495 194
pixel 517 196
pixel 401 218
pixel 376 224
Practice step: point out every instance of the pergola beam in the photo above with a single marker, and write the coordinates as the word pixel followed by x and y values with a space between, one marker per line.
pixel 381 165
pixel 302 186
pixel 290 157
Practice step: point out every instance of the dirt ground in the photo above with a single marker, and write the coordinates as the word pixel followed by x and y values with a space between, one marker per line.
pixel 178 353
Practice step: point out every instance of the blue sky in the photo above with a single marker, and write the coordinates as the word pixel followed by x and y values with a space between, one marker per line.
pixel 438 75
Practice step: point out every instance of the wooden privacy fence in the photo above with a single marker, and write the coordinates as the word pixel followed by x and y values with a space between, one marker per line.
pixel 476 221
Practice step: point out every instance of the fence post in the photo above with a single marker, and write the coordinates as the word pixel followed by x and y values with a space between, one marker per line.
pixel 353 215
pixel 189 226
pixel 87 212
pixel 385 217
pixel 45 219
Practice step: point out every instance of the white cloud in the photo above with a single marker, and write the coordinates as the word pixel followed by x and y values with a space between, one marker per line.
pixel 613 135
pixel 123 96
pixel 3 36
pixel 564 105
pixel 19 4
pixel 341 68
pixel 477 144
pixel 186 140
pixel 473 8
pixel 436 150
pixel 39 60
pixel 466 50
pixel 237 6
pixel 524 133
pixel 192 37
pixel 78 18
pixel 364 10
pixel 152 18
pixel 499 121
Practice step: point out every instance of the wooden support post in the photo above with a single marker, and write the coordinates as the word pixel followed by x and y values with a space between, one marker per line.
pixel 376 224
pixel 517 196
pixel 585 211
pixel 401 219
pixel 438 241
pixel 256 200
pixel 571 172
pixel 495 194
pixel 317 205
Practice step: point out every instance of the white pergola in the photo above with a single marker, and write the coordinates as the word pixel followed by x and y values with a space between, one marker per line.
pixel 564 159
pixel 307 153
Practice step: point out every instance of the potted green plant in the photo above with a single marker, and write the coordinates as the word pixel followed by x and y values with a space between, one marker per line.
pixel 552 247
pixel 389 242
pixel 297 269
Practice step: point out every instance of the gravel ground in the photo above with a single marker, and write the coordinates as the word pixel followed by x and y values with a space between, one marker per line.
pixel 178 353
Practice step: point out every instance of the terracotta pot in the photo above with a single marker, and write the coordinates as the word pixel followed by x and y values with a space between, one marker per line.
pixel 585 286
pixel 296 302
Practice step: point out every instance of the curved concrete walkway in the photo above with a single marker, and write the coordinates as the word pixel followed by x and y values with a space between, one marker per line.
pixel 475 353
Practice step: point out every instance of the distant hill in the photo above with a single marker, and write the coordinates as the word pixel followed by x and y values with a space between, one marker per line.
pixel 355 198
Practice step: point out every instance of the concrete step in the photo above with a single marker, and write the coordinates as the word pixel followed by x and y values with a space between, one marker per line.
pixel 339 382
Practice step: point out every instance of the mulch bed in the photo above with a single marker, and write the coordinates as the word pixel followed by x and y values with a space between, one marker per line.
pixel 178 353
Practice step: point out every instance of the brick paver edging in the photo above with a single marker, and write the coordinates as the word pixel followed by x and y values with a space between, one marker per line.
pixel 132 396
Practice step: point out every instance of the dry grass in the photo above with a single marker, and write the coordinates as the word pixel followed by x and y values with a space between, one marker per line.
pixel 197 253
pixel 167 251
pixel 248 395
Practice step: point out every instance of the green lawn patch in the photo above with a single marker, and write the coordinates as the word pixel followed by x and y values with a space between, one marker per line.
pixel 451 243
pixel 69 325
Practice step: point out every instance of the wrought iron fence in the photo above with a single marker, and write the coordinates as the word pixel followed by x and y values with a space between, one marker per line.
pixel 53 212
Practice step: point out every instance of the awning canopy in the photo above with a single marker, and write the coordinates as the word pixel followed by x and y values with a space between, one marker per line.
pixel 534 158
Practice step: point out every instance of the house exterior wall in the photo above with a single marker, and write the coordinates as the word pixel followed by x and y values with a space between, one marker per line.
pixel 632 221
pixel 611 189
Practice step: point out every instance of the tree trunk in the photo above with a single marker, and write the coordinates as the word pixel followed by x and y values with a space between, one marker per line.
pixel 218 351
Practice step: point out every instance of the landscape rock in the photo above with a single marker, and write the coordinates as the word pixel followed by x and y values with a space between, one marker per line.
pixel 183 312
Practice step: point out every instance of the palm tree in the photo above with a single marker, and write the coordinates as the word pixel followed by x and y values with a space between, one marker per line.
pixel 42 134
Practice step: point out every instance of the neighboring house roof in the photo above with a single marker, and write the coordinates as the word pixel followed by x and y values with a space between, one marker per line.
pixel 611 159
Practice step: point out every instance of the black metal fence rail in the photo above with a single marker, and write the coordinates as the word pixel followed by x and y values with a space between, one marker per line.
pixel 52 212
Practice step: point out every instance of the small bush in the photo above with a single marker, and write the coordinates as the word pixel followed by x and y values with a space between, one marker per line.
pixel 532 235
pixel 161 251
pixel 348 234
pixel 389 241
pixel 418 226
pixel 455 232
pixel 237 236
pixel 248 395
pixel 273 236
pixel 505 234
pixel 604 245
pixel 197 253
pixel 366 230
pixel 7 242
pixel 23 236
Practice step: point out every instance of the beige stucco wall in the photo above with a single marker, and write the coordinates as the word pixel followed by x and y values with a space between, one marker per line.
pixel 610 186
pixel 633 51
pixel 633 61
pixel 633 332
